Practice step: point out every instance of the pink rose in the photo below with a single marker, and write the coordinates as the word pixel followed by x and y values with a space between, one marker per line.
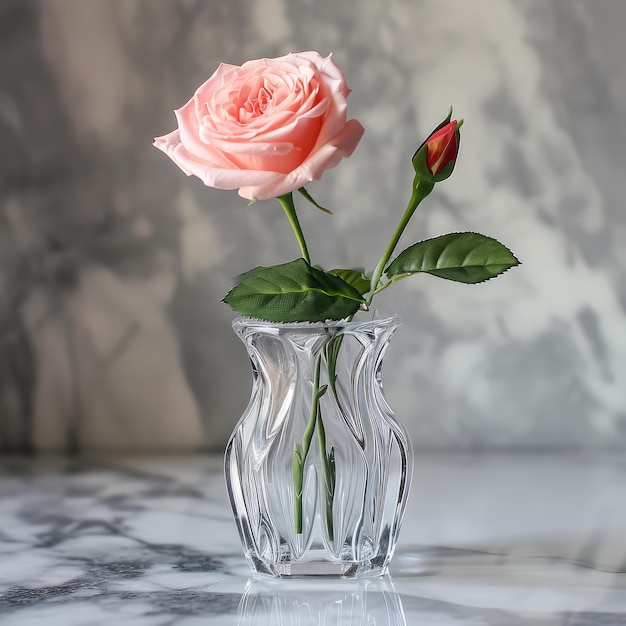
pixel 266 127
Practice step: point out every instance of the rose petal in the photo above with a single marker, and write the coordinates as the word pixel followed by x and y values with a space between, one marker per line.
pixel 342 145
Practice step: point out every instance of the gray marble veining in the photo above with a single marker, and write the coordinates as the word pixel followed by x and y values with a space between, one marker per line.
pixel 488 541
pixel 113 263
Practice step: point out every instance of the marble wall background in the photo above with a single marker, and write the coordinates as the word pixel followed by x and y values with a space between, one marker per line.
pixel 113 263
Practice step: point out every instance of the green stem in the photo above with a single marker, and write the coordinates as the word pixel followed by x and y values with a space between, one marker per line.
pixel 420 190
pixel 289 207
pixel 306 441
pixel 328 478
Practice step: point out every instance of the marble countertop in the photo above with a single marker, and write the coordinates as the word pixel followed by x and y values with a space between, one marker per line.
pixel 488 540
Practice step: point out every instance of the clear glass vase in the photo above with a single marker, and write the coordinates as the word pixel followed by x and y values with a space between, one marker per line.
pixel 318 469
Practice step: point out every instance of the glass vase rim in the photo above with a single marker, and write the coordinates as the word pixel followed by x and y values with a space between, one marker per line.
pixel 376 322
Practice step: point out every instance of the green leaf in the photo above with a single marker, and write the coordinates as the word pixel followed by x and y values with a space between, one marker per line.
pixel 332 354
pixel 464 257
pixel 298 462
pixel 310 198
pixel 321 391
pixel 293 292
pixel 354 277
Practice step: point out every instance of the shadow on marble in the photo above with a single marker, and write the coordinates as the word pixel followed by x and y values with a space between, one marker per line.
pixel 424 561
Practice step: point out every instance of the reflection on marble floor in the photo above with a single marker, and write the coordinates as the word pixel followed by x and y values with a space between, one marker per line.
pixel 488 541
pixel 326 603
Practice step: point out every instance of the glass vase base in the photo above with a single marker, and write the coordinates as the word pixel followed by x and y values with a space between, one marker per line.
pixel 321 569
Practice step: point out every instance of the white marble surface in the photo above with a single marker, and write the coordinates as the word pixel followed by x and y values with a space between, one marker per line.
pixel 489 540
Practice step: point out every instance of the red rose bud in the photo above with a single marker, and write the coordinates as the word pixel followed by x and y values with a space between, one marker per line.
pixel 441 148
pixel 436 157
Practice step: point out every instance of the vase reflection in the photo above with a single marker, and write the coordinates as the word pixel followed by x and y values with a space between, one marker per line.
pixel 321 602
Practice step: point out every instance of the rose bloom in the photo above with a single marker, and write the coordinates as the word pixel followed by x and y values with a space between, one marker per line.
pixel 266 127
